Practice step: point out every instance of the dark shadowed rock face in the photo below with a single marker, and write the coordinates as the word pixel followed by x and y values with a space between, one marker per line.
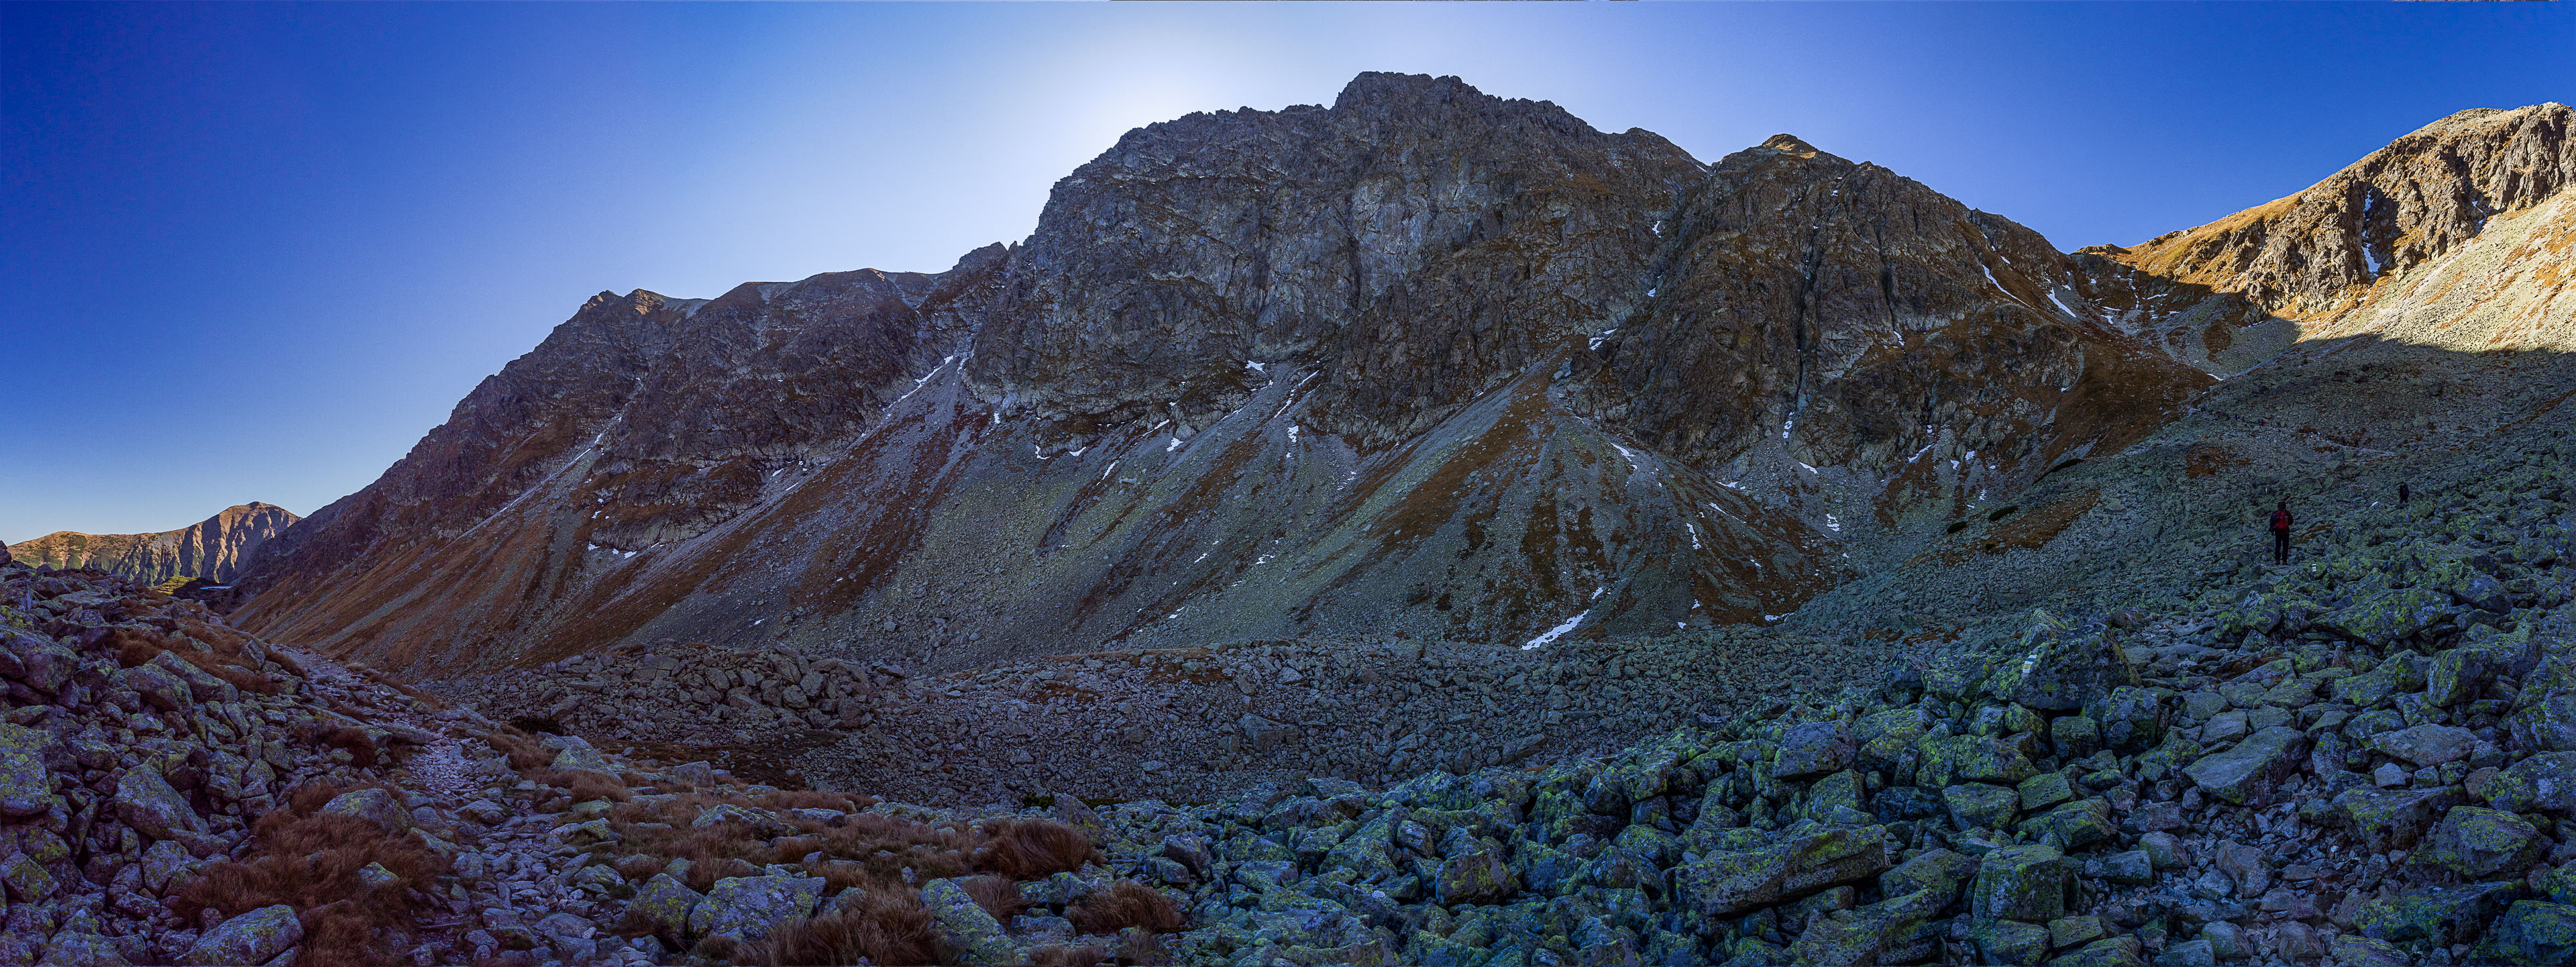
pixel 216 548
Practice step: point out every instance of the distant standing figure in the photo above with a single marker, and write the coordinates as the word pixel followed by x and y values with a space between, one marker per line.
pixel 2402 493
pixel 2281 533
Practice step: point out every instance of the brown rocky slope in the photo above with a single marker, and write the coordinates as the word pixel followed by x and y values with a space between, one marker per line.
pixel 1311 373
pixel 216 548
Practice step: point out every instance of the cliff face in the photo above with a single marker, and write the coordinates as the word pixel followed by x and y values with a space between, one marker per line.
pixel 215 548
pixel 2459 199
pixel 1423 362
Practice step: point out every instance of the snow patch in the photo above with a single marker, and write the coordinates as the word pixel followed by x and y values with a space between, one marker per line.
pixel 1554 633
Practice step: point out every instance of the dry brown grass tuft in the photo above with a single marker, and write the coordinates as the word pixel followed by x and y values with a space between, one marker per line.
pixel 1088 955
pixel 997 895
pixel 312 862
pixel 1126 903
pixel 525 752
pixel 587 784
pixel 136 646
pixel 785 799
pixel 1028 849
pixel 362 750
pixel 887 927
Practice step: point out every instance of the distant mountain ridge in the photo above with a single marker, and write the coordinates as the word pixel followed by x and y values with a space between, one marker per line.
pixel 216 548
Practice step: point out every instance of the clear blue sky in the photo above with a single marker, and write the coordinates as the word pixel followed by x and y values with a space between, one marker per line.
pixel 254 252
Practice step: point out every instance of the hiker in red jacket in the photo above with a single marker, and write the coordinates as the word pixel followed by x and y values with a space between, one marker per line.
pixel 2281 533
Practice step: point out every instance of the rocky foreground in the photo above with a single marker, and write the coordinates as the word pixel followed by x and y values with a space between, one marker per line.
pixel 2366 758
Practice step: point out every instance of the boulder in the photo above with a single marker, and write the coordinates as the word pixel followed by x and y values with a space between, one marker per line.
pixel 1479 877
pixel 255 937
pixel 2248 772
pixel 574 752
pixel 971 934
pixel 2427 745
pixel 2542 782
pixel 746 907
pixel 2063 672
pixel 2027 883
pixel 1813 749
pixel 1977 805
pixel 2435 915
pixel 2390 819
pixel 1720 883
pixel 756 822
pixel 666 903
pixel 26 785
pixel 2531 934
pixel 146 802
pixel 2481 843
pixel 373 805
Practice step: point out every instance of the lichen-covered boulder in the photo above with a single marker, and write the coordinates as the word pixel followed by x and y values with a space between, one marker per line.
pixel 1974 758
pixel 746 907
pixel 2382 620
pixel 2072 825
pixel 2480 843
pixel 146 802
pixel 757 822
pixel 666 904
pixel 373 805
pixel 2027 883
pixel 1813 749
pixel 1477 877
pixel 2009 941
pixel 2063 672
pixel 2389 819
pixel 2530 934
pixel 575 752
pixel 2542 782
pixel 2435 915
pixel 2131 719
pixel 1977 805
pixel 970 933
pixel 2427 745
pixel 1940 872
pixel 255 937
pixel 2249 772
pixel 26 786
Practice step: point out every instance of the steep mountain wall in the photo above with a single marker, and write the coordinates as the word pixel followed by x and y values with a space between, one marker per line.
pixel 215 548
pixel 1423 362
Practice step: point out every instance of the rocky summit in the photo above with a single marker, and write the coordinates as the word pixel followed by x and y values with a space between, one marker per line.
pixel 215 549
pixel 1423 529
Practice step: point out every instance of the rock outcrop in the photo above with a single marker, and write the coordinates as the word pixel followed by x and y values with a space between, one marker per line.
pixel 1425 361
pixel 216 549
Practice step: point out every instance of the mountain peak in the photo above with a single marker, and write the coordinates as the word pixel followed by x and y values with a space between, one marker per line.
pixel 1790 144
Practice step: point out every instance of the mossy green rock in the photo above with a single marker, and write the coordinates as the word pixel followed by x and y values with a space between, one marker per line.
pixel 747 907
pixel 2009 941
pixel 1940 872
pixel 26 786
pixel 2480 843
pixel 1976 805
pixel 2531 934
pixel 2387 819
pixel 2073 825
pixel 2383 619
pixel 2107 952
pixel 1974 758
pixel 1718 884
pixel 2542 782
pixel 2044 790
pixel 2434 915
pixel 1479 877
pixel 2026 883
pixel 2249 772
pixel 251 938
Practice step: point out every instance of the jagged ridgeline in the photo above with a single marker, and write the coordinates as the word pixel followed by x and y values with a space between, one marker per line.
pixel 1424 361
